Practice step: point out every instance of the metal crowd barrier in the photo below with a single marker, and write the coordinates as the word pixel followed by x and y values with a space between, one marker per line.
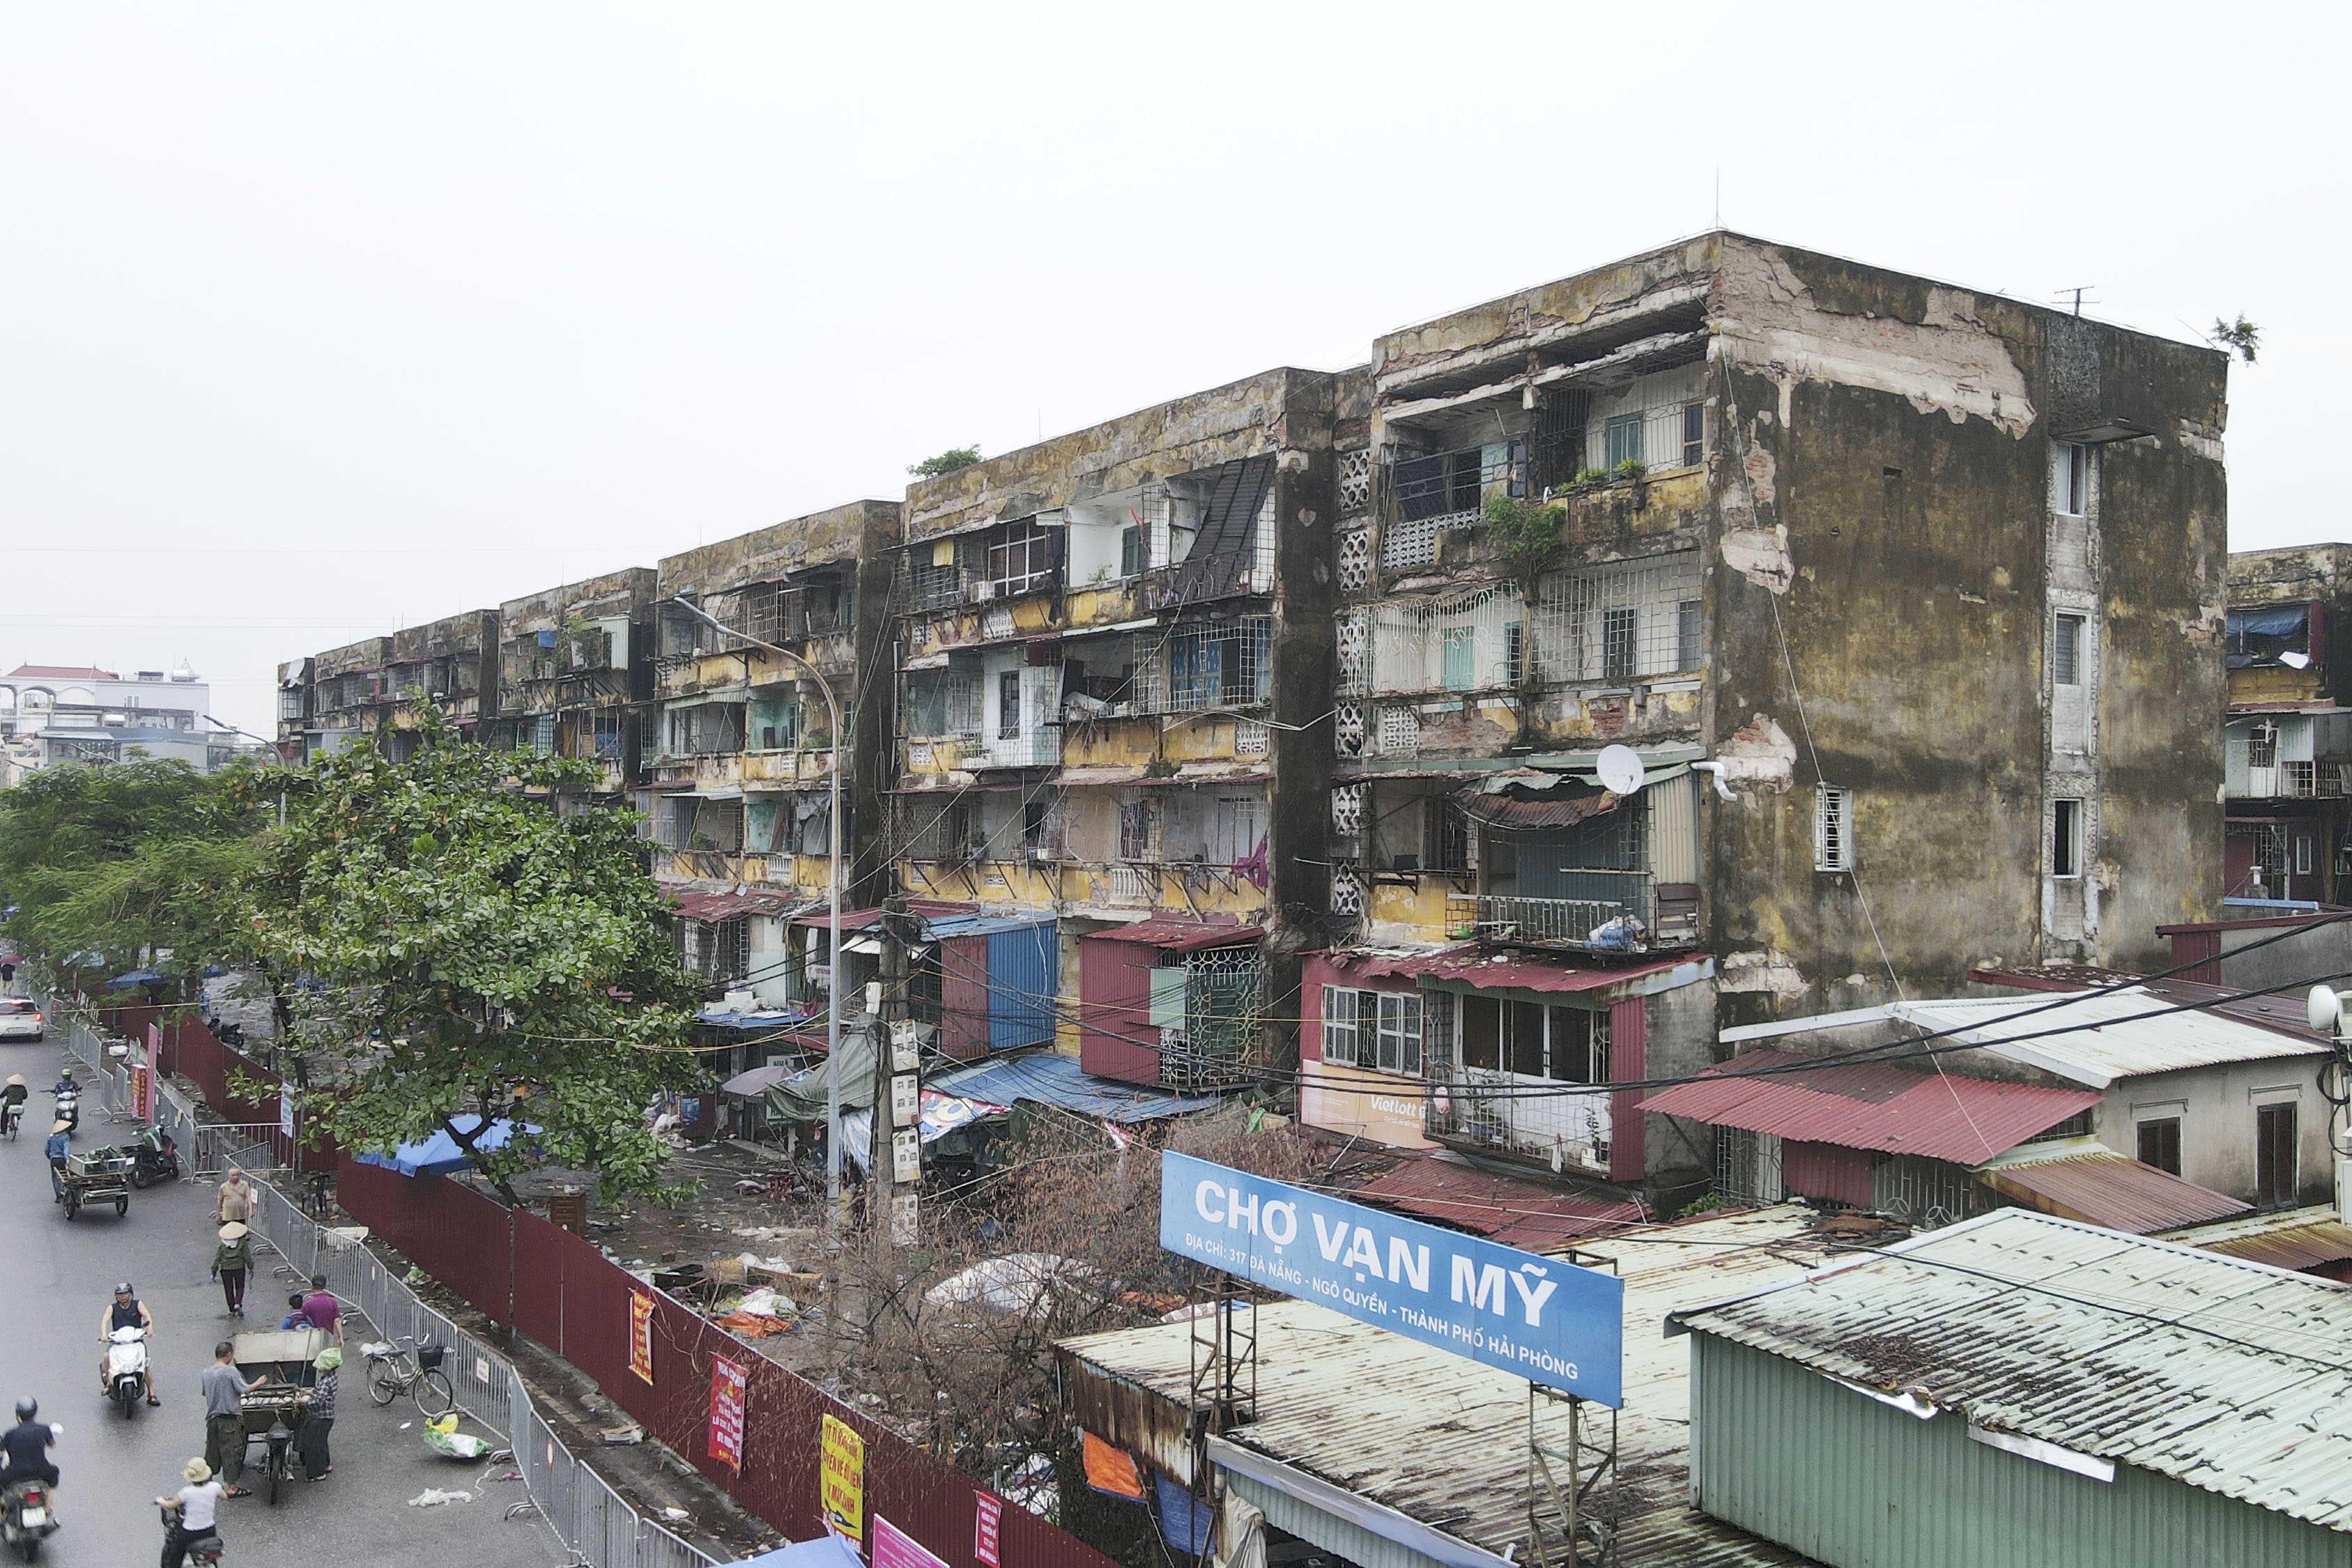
pixel 591 1518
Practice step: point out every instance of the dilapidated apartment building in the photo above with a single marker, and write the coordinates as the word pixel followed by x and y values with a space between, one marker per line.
pixel 1113 710
pixel 575 675
pixel 1907 601
pixel 377 687
pixel 739 756
pixel 2290 729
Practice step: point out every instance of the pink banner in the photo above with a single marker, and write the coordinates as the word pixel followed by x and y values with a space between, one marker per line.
pixel 893 1548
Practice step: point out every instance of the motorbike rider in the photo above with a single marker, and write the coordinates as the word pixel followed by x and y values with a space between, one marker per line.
pixel 58 1148
pixel 126 1312
pixel 69 1097
pixel 13 1095
pixel 27 1447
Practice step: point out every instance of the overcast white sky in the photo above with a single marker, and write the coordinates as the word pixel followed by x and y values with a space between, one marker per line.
pixel 317 321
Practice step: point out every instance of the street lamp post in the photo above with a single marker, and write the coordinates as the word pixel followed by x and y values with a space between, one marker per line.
pixel 832 897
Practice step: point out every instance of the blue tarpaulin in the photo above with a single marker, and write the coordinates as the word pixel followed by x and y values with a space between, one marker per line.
pixel 439 1155
pixel 1184 1520
pixel 1052 1078
pixel 825 1552
pixel 136 977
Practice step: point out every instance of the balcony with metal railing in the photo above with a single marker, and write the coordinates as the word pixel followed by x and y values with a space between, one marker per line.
pixel 1622 911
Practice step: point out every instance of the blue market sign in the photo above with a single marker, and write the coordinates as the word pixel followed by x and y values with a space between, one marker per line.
pixel 1537 1317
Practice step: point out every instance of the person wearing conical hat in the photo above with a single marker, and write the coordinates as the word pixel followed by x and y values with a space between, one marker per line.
pixel 231 1262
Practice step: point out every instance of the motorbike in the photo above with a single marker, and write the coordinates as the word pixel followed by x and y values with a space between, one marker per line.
pixel 126 1368
pixel 28 1516
pixel 154 1158
pixel 204 1553
pixel 10 1113
pixel 69 1097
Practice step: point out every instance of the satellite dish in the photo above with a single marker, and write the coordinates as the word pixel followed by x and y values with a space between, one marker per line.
pixel 2324 1008
pixel 1620 769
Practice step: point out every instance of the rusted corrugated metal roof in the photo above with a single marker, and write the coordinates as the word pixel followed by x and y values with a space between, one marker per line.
pixel 2304 1240
pixel 1514 1213
pixel 1871 1105
pixel 1175 936
pixel 2103 1187
pixel 1531 815
pixel 735 906
pixel 1467 963
pixel 2223 1375
pixel 1442 1439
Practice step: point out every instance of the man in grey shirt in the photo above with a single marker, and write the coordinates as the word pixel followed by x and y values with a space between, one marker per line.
pixel 225 1389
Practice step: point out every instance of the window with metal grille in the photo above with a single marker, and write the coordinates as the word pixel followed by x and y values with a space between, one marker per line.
pixel 2066 651
pixel 1219 664
pixel 2275 1174
pixel 605 735
pixel 1694 434
pixel 1620 634
pixel 1574 620
pixel 1515 652
pixel 1022 557
pixel 1832 829
pixel 1137 838
pixel 963 704
pixel 1458 670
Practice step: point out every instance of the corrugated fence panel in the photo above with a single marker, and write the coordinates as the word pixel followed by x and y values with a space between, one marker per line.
pixel 1925 1495
pixel 965 984
pixel 570 1296
pixel 1629 1053
pixel 1826 1171
pixel 453 1233
pixel 1022 973
pixel 1115 1010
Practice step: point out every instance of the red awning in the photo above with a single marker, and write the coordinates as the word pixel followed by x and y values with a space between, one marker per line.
pixel 1869 1105
pixel 1172 935
pixel 1527 1214
pixel 2111 1190
pixel 1468 964
pixel 871 920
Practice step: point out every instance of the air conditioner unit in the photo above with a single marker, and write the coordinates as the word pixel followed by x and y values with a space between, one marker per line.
pixel 984 591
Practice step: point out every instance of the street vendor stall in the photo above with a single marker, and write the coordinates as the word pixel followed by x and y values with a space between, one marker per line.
pixel 98 1177
pixel 274 1412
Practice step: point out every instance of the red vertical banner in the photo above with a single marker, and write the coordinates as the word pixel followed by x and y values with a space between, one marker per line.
pixel 641 1334
pixel 987 1516
pixel 143 1092
pixel 729 1380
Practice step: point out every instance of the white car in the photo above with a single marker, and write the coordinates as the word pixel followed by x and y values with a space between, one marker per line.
pixel 20 1019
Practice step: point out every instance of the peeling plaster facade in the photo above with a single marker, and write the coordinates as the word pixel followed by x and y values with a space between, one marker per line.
pixel 1089 718
pixel 1862 511
pixel 575 674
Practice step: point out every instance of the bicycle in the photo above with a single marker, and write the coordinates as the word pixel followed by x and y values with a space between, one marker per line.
pixel 392 1373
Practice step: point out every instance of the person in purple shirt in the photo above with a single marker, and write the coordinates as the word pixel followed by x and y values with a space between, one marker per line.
pixel 322 1311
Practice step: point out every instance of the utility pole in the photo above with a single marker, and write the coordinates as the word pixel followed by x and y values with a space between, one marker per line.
pixel 897 1089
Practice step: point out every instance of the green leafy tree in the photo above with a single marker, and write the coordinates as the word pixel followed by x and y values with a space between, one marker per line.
pixel 126 865
pixel 946 462
pixel 474 953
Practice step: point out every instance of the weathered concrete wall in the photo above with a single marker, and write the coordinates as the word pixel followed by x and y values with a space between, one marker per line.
pixel 621 592
pixel 1183 435
pixel 1883 494
pixel 353 658
pixel 838 533
pixel 1678 1155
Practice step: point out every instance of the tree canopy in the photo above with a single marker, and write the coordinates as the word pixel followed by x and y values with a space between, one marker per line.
pixel 440 941
pixel 113 867
pixel 946 462
pixel 473 951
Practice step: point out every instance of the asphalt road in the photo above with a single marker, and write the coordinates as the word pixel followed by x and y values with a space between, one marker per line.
pixel 54 1286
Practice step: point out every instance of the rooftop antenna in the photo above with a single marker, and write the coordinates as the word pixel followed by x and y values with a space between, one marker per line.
pixel 2078 293
pixel 1718 196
